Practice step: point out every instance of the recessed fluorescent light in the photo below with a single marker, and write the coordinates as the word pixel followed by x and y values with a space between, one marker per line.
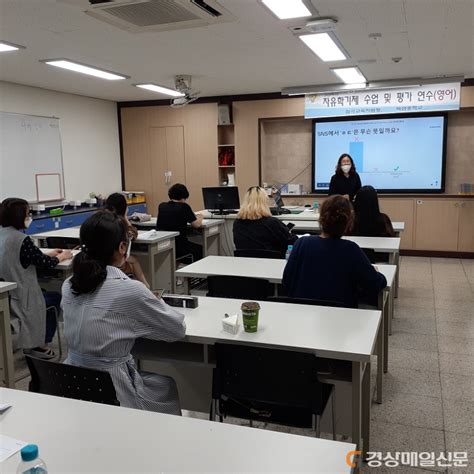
pixel 160 90
pixel 350 75
pixel 5 46
pixel 84 69
pixel 324 46
pixel 285 9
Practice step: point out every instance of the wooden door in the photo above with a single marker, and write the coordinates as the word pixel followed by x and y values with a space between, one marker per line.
pixel 159 166
pixel 400 210
pixel 437 223
pixel 175 155
pixel 466 226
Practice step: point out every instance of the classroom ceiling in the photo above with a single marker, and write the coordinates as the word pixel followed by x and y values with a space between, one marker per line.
pixel 254 53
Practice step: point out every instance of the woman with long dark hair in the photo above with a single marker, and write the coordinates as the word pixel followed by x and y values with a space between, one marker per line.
pixel 105 312
pixel 370 222
pixel 345 180
pixel 117 203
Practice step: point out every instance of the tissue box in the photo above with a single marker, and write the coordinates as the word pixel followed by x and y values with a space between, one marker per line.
pixel 230 324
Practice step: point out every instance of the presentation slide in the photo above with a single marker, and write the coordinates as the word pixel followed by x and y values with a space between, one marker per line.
pixel 389 153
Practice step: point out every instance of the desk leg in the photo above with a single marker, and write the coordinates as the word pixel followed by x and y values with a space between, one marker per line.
pixel 357 403
pixel 211 240
pixel 388 330
pixel 6 342
pixel 394 259
pixel 382 340
pixel 366 400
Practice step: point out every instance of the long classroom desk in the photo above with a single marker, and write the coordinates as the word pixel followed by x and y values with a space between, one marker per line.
pixel 334 333
pixel 211 232
pixel 78 436
pixel 5 334
pixel 272 271
pixel 155 250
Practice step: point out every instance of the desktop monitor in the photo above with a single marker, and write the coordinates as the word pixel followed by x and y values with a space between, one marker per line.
pixel 223 198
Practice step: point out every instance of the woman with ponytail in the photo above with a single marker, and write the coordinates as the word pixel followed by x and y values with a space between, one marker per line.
pixel 105 312
pixel 117 203
pixel 32 326
pixel 329 268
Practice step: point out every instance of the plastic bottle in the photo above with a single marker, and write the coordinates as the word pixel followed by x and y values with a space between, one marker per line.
pixel 30 462
pixel 288 251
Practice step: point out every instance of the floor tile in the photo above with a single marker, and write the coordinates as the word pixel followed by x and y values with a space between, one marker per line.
pixel 457 387
pixel 458 305
pixel 454 314
pixel 414 382
pixel 461 364
pixel 414 325
pixel 413 359
pixel 411 302
pixel 459 416
pixel 410 410
pixel 456 345
pixel 414 313
pixel 393 437
pixel 461 443
pixel 405 340
pixel 415 292
pixel 456 328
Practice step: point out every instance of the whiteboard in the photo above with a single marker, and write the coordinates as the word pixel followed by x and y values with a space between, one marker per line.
pixel 30 146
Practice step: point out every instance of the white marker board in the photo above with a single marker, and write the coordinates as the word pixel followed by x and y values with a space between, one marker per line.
pixel 31 163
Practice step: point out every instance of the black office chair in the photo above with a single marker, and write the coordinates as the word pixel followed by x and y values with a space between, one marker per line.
pixel 258 253
pixel 269 385
pixel 62 242
pixel 69 381
pixel 308 301
pixel 242 288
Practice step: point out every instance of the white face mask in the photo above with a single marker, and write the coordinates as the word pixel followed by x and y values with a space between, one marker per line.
pixel 346 168
pixel 28 222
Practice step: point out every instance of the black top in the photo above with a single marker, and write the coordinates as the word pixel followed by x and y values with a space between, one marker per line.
pixel 30 254
pixel 267 233
pixel 174 216
pixel 331 269
pixel 342 185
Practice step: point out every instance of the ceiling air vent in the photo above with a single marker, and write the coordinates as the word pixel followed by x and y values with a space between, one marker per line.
pixel 159 15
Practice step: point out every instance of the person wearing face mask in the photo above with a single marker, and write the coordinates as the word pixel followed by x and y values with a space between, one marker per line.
pixel 345 181
pixel 117 203
pixel 32 327
pixel 105 312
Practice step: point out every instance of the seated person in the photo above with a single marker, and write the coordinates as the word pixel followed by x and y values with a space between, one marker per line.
pixel 175 215
pixel 32 326
pixel 329 268
pixel 256 229
pixel 117 203
pixel 370 222
pixel 105 312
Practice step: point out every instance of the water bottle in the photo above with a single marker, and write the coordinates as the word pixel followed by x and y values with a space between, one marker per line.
pixel 30 462
pixel 316 208
pixel 288 251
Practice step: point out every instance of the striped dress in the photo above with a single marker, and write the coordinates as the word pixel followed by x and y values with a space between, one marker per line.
pixel 101 329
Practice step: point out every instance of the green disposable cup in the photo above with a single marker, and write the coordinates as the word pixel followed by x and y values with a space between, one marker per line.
pixel 250 310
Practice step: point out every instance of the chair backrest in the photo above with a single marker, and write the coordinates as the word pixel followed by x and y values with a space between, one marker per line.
pixel 238 287
pixel 62 380
pixel 62 242
pixel 252 380
pixel 258 253
pixel 308 301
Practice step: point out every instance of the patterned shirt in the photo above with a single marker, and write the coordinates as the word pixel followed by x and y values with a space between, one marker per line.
pixel 30 254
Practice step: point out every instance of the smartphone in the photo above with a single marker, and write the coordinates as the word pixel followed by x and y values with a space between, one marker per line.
pixel 290 225
pixel 158 293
